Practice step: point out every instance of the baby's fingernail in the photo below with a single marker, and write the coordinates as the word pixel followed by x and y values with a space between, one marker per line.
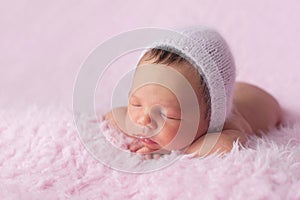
pixel 139 151
pixel 148 157
pixel 156 156
pixel 142 150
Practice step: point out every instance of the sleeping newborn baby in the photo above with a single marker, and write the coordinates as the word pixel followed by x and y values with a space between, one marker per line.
pixel 184 97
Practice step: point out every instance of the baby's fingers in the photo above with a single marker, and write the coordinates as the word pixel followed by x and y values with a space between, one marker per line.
pixel 135 145
pixel 144 150
pixel 111 121
pixel 156 156
pixel 147 153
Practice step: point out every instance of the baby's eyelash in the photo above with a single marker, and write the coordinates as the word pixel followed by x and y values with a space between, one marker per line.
pixel 173 118
pixel 135 104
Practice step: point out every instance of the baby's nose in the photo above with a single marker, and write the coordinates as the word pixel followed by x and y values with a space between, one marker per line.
pixel 144 120
pixel 148 126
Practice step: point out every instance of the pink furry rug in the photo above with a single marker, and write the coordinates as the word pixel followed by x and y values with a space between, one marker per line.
pixel 42 158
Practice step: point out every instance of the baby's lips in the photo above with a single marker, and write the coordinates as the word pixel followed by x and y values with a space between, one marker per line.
pixel 148 141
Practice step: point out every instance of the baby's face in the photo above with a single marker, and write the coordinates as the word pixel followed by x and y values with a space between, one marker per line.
pixel 156 102
pixel 152 102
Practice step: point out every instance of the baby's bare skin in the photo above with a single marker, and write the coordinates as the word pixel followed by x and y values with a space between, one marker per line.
pixel 253 111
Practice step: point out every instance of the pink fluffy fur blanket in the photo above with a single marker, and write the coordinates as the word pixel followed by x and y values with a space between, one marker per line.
pixel 42 157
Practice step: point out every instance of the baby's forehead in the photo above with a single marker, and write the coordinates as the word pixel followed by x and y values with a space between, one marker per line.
pixel 187 70
pixel 182 82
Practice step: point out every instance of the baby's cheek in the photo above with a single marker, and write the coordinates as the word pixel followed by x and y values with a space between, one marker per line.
pixel 168 133
pixel 171 128
pixel 131 113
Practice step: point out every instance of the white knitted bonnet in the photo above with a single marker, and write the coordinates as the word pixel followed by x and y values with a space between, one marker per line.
pixel 207 51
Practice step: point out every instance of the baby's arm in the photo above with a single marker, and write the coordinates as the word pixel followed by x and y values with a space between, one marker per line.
pixel 111 120
pixel 216 142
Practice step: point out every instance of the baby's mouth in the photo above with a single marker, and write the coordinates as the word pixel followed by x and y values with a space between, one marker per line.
pixel 148 141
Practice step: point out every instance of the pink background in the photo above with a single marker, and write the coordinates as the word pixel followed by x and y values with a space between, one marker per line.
pixel 43 43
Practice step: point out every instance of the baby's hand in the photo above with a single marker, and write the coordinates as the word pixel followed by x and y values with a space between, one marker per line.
pixel 138 147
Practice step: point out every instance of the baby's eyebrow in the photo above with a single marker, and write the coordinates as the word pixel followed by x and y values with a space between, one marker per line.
pixel 130 95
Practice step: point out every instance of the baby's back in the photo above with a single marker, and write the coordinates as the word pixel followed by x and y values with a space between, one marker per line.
pixel 259 108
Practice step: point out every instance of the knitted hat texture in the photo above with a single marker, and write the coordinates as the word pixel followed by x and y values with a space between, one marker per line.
pixel 209 53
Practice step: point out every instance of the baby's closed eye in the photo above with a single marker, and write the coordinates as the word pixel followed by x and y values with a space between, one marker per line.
pixel 135 104
pixel 170 115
